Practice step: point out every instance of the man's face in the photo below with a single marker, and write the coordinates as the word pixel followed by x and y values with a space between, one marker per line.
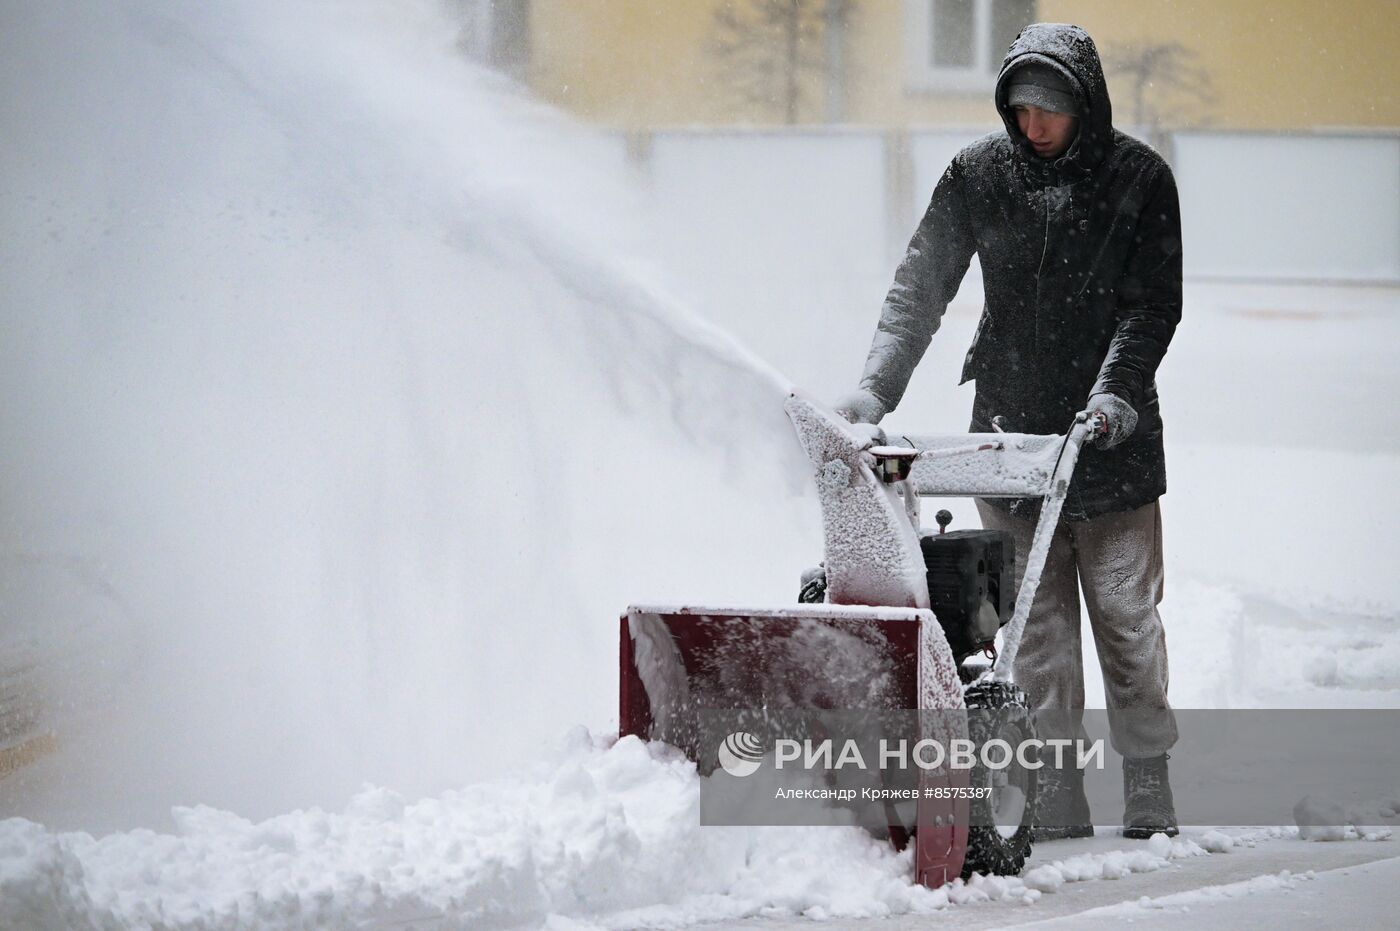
pixel 1049 132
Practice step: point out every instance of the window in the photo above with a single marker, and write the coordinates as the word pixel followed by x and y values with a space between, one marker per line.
pixel 958 45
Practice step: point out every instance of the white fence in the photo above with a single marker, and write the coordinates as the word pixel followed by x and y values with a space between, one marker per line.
pixel 764 201
pixel 1290 207
pixel 1278 207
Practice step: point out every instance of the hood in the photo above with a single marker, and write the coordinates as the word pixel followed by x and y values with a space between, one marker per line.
pixel 1069 50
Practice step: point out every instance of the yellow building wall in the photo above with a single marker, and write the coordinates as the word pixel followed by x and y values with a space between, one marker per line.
pixel 1273 64
pixel 876 82
pixel 631 63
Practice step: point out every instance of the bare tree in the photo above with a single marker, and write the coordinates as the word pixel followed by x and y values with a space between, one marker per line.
pixel 1163 80
pixel 770 50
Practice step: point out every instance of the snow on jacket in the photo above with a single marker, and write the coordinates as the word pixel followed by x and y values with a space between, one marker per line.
pixel 1081 264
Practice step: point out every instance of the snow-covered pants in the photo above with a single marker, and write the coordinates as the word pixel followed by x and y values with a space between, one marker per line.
pixel 1117 559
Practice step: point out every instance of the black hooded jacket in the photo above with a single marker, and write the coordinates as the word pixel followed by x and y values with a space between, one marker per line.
pixel 1081 264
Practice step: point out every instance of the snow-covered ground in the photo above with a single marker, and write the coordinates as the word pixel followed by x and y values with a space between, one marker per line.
pixel 1263 879
pixel 345 407
pixel 607 835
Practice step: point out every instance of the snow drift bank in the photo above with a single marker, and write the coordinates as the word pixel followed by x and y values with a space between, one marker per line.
pixel 335 433
pixel 599 836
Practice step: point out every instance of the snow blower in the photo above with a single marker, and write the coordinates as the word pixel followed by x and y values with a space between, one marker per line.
pixel 923 606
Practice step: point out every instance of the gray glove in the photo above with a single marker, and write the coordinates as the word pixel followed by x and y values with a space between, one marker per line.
pixel 860 406
pixel 1120 420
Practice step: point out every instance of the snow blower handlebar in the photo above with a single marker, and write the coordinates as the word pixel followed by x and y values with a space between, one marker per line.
pixel 1085 425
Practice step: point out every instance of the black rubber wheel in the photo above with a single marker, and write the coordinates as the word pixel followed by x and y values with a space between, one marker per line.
pixel 999 838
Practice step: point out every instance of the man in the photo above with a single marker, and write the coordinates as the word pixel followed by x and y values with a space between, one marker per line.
pixel 1077 229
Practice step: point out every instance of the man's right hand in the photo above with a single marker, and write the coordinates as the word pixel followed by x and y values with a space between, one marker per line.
pixel 860 406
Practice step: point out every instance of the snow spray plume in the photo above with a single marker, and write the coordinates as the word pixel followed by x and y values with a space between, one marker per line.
pixel 336 430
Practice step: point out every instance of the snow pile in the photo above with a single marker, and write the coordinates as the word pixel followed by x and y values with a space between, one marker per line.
pixel 604 835
pixel 979 888
pixel 1320 818
pixel 1158 854
pixel 1215 841
pixel 41 881
pixel 1027 888
pixel 1253 837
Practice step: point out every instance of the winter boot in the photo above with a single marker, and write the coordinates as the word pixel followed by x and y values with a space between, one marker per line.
pixel 1061 810
pixel 1147 798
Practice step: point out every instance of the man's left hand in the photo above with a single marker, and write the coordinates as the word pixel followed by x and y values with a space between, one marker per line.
pixel 1119 420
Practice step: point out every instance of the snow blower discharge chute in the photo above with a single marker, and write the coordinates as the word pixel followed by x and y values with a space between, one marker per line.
pixel 929 603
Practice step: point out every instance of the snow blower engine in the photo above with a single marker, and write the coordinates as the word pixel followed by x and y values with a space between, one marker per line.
pixel 970 574
pixel 896 617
